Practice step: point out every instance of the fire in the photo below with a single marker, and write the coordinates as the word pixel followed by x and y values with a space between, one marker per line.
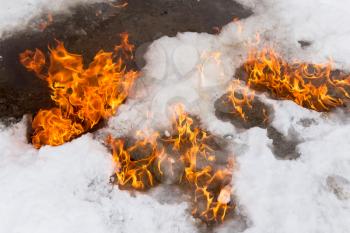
pixel 84 96
pixel 34 61
pixel 188 146
pixel 242 107
pixel 119 5
pixel 44 23
pixel 55 129
pixel 313 86
pixel 240 98
pixel 125 47
pixel 200 173
pixel 131 171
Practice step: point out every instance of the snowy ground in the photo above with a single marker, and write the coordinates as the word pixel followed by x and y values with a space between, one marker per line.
pixel 17 14
pixel 65 189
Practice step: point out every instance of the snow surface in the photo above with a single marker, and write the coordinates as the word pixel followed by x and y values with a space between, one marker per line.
pixel 66 189
pixel 17 13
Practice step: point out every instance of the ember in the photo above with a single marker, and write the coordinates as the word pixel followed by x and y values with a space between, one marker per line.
pixel 83 96
pixel 204 170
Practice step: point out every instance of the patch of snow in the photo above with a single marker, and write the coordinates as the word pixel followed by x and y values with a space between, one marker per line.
pixel 324 23
pixel 292 196
pixel 16 14
pixel 66 189
pixel 166 81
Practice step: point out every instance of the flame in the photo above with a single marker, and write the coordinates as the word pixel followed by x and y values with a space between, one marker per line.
pixel 119 5
pixel 125 47
pixel 200 172
pixel 313 86
pixel 54 128
pixel 136 173
pixel 240 97
pixel 33 61
pixel 45 22
pixel 210 185
pixel 84 96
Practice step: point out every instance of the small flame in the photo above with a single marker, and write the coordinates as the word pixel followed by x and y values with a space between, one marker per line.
pixel 45 22
pixel 34 61
pixel 83 96
pixel 125 47
pixel 240 97
pixel 119 5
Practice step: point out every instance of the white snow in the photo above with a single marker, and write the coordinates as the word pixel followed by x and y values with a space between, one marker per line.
pixel 16 14
pixel 293 196
pixel 66 189
pixel 325 23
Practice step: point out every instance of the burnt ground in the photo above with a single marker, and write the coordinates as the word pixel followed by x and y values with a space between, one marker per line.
pixel 89 28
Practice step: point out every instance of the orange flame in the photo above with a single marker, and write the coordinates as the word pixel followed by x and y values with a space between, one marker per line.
pixel 192 140
pixel 125 47
pixel 211 189
pixel 34 61
pixel 240 97
pixel 136 173
pixel 45 22
pixel 119 5
pixel 83 96
pixel 313 86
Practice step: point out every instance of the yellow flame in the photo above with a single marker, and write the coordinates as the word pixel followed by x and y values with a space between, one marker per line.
pixel 83 96
pixel 189 142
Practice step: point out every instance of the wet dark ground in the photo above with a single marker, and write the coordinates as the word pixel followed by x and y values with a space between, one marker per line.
pixel 259 115
pixel 89 28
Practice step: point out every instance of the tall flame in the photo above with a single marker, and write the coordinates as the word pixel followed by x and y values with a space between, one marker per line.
pixel 83 96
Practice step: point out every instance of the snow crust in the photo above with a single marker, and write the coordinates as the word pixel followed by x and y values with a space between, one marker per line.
pixel 66 188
